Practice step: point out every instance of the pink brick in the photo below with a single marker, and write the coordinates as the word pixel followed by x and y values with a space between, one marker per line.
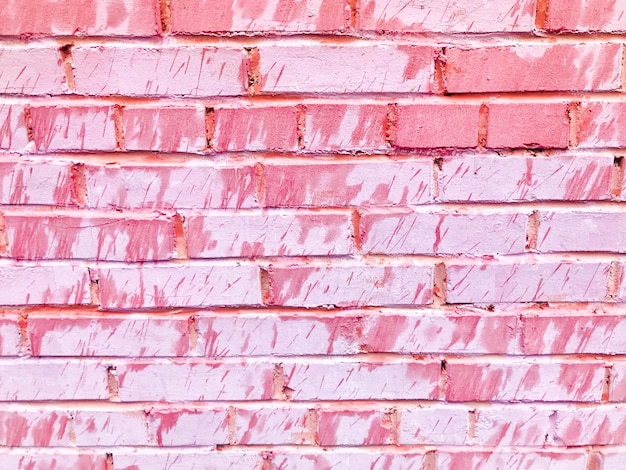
pixel 268 128
pixel 194 184
pixel 524 381
pixel 243 16
pixel 469 332
pixel 58 459
pixel 275 426
pixel 195 285
pixel 585 16
pixel 611 458
pixel 437 125
pixel 195 381
pixel 440 425
pixel 349 458
pixel 455 16
pixel 470 459
pixel 602 125
pixel 339 127
pixel 49 284
pixel 40 380
pixel 512 179
pixel 530 281
pixel 30 70
pixel 528 125
pixel 88 335
pixel 534 67
pixel 363 380
pixel 403 231
pixel 600 425
pixel 165 129
pixel 110 428
pixel 338 183
pixel 292 334
pixel 72 235
pixel 165 71
pixel 618 382
pixel 354 427
pixel 355 285
pixel 32 427
pixel 75 17
pixel 177 460
pixel 355 68
pixel 269 234
pixel 510 426
pixel 73 128
pixel 9 335
pixel 13 134
pixel 188 427
pixel 38 181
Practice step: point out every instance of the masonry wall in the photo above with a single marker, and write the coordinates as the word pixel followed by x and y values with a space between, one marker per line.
pixel 312 234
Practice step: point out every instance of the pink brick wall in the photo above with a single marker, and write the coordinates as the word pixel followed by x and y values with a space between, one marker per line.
pixel 312 234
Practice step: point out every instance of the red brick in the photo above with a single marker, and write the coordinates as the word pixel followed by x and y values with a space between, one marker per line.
pixel 534 67
pixel 13 134
pixel 274 426
pixel 110 428
pixel 437 125
pixel 59 460
pixel 585 16
pixel 469 459
pixel 352 458
pixel 176 426
pixel 436 425
pixel 30 69
pixel 354 428
pixel 32 427
pixel 528 125
pixel 601 125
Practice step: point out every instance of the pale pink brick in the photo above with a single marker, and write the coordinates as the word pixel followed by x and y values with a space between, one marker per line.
pixel 612 458
pixel 165 129
pixel 244 16
pixel 267 128
pixel 440 425
pixel 349 458
pixel 524 381
pixel 469 459
pixel 601 124
pixel 403 231
pixel 30 70
pixel 347 128
pixel 510 426
pixel 586 16
pixel 355 427
pixel 13 133
pixel 32 427
pixel 275 426
pixel 9 335
pixel 194 381
pixel 338 183
pixel 53 459
pixel 357 285
pixel 34 380
pixel 165 71
pixel 73 128
pixel 87 335
pixel 534 67
pixel 110 428
pixel 177 460
pixel 75 17
pixel 528 125
pixel 600 425
pixel 188 427
pixel 354 68
pixel 227 235
pixel 617 390
pixel 162 186
pixel 66 235
pixel 38 182
pixel 511 179
pixel 455 16
pixel 529 281
pixel 363 380
pixel 290 334
pixel 437 125
pixel 470 332
pixel 195 285
pixel 49 284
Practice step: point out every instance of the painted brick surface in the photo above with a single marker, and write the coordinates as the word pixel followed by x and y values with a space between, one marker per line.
pixel 313 234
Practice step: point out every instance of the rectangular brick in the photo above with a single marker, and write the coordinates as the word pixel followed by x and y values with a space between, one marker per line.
pixel 33 427
pixel 9 335
pixel 13 133
pixel 275 426
pixel 355 427
pixel 601 124
pixel 470 459
pixel 30 69
pixel 353 458
pixel 611 458
pixel 599 425
pixel 58 459
pixel 617 391
pixel 227 235
pixel 584 16
pixel 36 181
pixel 187 426
pixel 512 426
pixel 165 71
pixel 434 425
pixel 110 428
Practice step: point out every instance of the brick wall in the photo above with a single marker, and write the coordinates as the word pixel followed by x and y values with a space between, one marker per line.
pixel 312 234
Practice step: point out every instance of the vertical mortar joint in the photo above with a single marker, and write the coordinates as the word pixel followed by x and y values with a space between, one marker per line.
pixel 165 13
pixel 68 66
pixel 483 125
pixel 440 70
pixel 532 231
pixel 253 66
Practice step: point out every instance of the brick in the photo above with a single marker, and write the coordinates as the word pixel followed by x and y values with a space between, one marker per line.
pixel 510 425
pixel 345 128
pixel 515 179
pixel 584 16
pixel 404 231
pixel 73 128
pixel 31 70
pixel 13 134
pixel 454 16
pixel 196 285
pixel 267 128
pixel 440 425
pixel 194 381
pixel 528 125
pixel 32 427
pixel 87 335
pixel 269 234
pixel 110 428
pixel 177 460
pixel 355 68
pixel 600 425
pixel 292 334
pixel 188 427
pixel 38 181
pixel 437 125
pixel 353 458
pixel 79 235
pixel 40 380
pixel 419 332
pixel 601 124
pixel 356 285
pixel 611 458
pixel 166 71
pixel 188 185
pixel 339 183
pixel 514 381
pixel 165 129
pixel 274 426
pixel 529 281
pixel 57 459
pixel 534 67
pixel 242 16
pixel 354 428
pixel 50 284
pixel 337 380
pixel 9 335
pixel 492 460
pixel 617 391
pixel 74 17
